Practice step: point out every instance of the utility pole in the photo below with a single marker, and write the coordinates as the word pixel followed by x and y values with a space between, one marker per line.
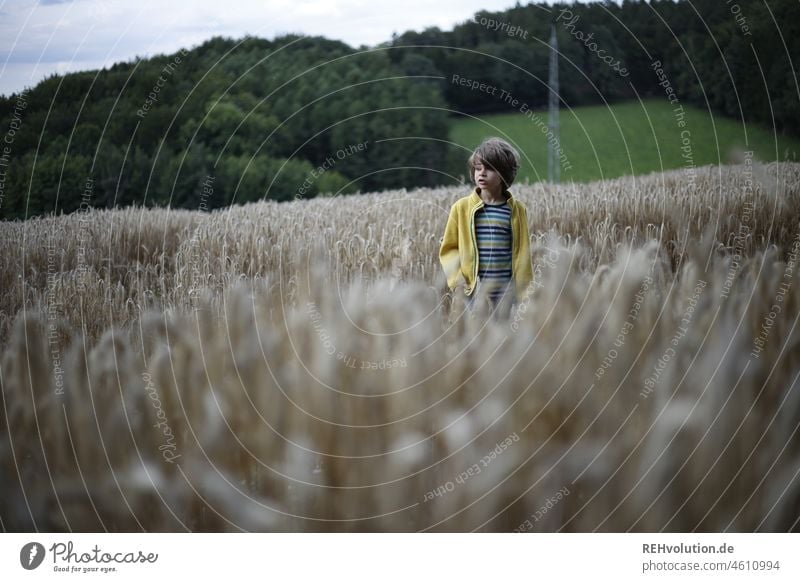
pixel 554 137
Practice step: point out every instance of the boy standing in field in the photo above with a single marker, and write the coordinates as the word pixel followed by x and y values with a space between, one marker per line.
pixel 486 241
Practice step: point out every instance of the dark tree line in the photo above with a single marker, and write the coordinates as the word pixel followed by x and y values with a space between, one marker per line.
pixel 282 119
pixel 732 56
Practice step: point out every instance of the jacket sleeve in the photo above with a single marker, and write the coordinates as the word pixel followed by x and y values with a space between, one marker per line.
pixel 448 251
pixel 524 266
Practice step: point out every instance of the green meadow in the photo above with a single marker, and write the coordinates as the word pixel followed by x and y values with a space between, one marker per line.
pixel 626 139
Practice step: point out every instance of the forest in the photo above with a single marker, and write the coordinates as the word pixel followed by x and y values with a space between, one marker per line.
pixel 298 116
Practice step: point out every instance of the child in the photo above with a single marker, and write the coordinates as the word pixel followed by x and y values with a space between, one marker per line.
pixel 486 239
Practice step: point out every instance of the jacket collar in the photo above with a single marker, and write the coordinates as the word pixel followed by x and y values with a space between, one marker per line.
pixel 475 199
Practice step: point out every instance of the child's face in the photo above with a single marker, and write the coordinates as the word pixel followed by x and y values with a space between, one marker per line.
pixel 487 178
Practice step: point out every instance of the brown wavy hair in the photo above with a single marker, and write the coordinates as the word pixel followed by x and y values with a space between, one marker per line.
pixel 500 156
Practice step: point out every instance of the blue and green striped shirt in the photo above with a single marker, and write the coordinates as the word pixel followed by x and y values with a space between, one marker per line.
pixel 494 237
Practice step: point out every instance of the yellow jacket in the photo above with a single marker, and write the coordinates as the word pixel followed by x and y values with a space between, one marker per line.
pixel 458 252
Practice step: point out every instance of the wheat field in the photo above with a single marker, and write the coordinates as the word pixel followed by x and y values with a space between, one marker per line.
pixel 301 367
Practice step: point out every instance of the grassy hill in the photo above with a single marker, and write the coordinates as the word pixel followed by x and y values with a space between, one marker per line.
pixel 625 139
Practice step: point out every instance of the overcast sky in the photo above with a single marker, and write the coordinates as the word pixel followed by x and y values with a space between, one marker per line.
pixel 40 37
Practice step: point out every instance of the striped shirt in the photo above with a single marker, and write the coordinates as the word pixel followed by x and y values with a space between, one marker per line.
pixel 493 234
